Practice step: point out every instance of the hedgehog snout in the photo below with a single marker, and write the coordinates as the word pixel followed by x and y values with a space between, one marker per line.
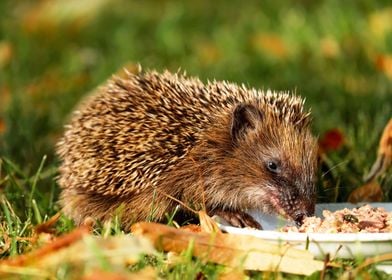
pixel 297 206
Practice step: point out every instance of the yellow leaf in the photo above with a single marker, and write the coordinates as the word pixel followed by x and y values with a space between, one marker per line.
pixel 207 224
pixel 232 274
pixel 380 22
pixel 147 273
pixel 247 252
pixel 79 249
pixel 329 47
pixel 385 147
pixel 270 44
pixel 48 15
pixel 384 154
pixel 6 53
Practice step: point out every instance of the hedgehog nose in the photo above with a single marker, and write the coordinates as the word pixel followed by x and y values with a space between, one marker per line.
pixel 299 217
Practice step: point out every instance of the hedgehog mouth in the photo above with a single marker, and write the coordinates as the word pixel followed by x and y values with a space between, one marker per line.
pixel 276 205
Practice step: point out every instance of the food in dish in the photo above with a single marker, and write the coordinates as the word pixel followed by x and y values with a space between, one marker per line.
pixel 361 219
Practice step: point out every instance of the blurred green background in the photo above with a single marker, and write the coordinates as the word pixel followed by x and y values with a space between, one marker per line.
pixel 337 54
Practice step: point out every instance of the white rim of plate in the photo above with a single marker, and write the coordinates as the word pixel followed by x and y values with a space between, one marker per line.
pixel 317 237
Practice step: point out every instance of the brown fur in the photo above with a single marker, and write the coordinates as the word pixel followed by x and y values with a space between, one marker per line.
pixel 138 138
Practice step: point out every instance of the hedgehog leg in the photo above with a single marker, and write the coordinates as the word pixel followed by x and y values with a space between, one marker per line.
pixel 130 209
pixel 75 206
pixel 237 218
pixel 80 206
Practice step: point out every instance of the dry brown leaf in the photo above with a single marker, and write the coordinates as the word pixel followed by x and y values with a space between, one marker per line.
pixel 207 224
pixel 369 192
pixel 21 272
pixel 192 228
pixel 329 47
pixel 86 252
pixel 385 147
pixel 5 97
pixel 144 274
pixel 232 274
pixel 119 251
pixel 57 244
pixel 247 252
pixel 384 64
pixel 2 126
pixel 106 275
pixel 384 154
pixel 47 227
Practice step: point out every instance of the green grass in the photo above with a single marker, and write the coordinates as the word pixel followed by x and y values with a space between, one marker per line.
pixel 331 52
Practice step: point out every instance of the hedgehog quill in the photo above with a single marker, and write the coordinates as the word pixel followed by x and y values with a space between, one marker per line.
pixel 217 145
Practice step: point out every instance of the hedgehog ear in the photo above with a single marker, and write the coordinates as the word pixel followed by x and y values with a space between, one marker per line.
pixel 244 118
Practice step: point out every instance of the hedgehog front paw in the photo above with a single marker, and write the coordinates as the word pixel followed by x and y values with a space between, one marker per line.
pixel 238 219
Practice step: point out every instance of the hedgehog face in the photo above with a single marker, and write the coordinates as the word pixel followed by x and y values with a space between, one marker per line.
pixel 278 160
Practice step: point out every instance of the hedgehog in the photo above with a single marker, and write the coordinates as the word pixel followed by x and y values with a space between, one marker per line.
pixel 144 143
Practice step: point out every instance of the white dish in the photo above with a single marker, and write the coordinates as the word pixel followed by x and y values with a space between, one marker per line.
pixel 342 245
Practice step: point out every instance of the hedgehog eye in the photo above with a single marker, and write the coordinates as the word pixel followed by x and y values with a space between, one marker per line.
pixel 273 167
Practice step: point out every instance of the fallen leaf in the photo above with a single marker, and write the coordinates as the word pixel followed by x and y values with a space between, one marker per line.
pixel 232 274
pixel 247 252
pixel 6 53
pixel 2 126
pixel 12 272
pixel 384 64
pixel 48 16
pixel 79 249
pixel 207 224
pixel 47 227
pixel 384 154
pixel 271 44
pixel 385 147
pixel 144 274
pixel 380 22
pixel 116 250
pixel 192 228
pixel 57 244
pixel 5 97
pixel 105 275
pixel 332 140
pixel 369 192
pixel 329 47
pixel 172 258
pixel 6 240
